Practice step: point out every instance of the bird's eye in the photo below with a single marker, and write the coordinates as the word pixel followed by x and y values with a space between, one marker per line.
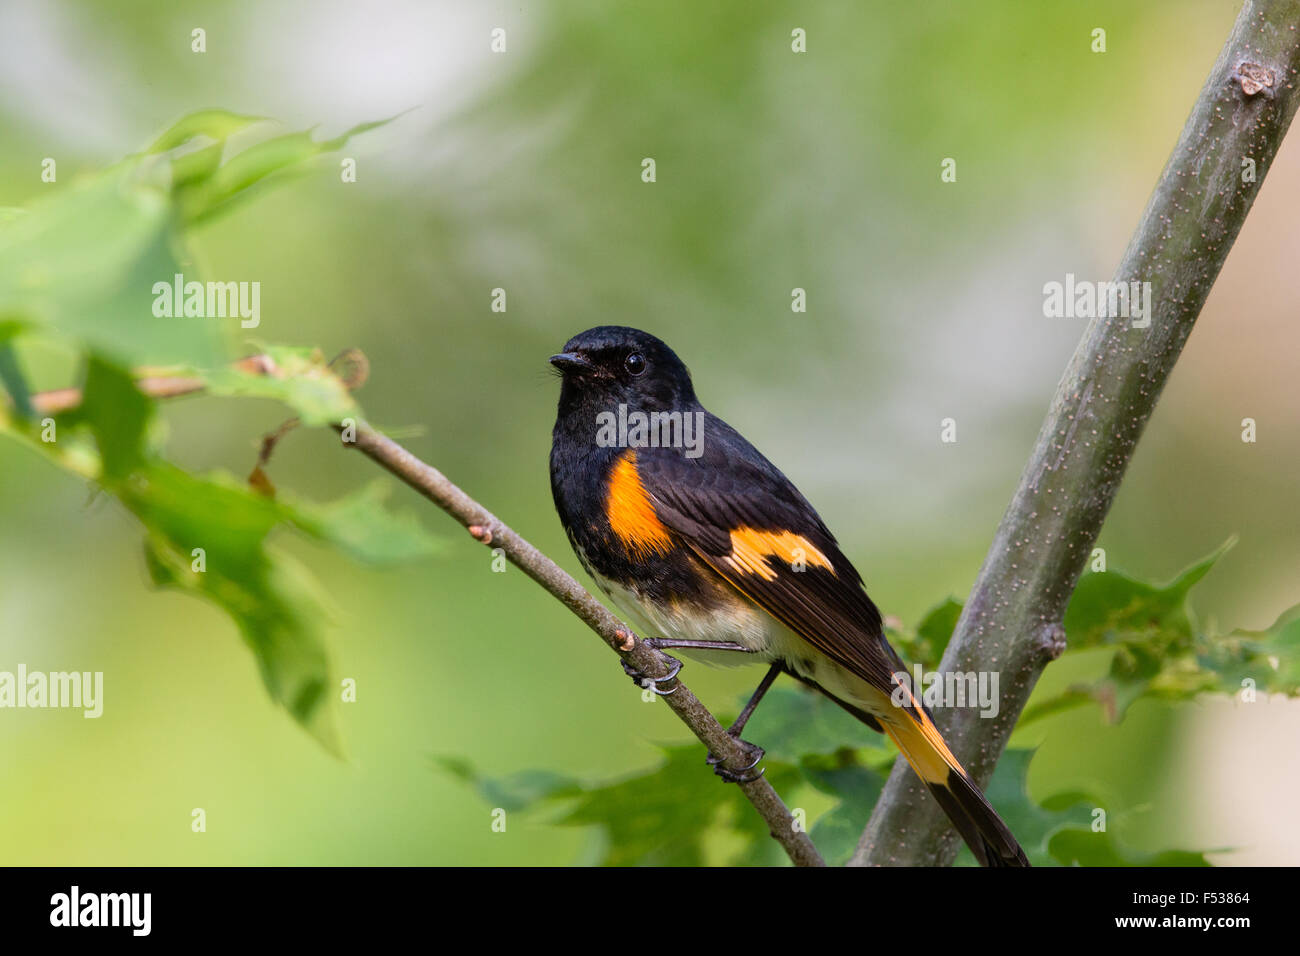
pixel 634 363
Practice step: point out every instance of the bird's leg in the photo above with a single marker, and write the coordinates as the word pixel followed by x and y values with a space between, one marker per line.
pixel 746 774
pixel 857 712
pixel 763 687
pixel 665 643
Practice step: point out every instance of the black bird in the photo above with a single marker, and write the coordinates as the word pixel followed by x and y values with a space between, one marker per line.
pixel 706 545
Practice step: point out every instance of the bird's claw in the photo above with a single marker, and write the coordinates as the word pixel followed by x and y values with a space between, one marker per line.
pixel 745 774
pixel 652 683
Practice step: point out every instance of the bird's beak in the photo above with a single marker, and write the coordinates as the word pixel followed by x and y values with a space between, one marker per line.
pixel 570 362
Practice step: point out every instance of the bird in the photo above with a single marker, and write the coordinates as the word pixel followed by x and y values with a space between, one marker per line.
pixel 710 549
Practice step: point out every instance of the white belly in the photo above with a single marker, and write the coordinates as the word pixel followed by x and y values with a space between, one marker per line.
pixel 753 628
pixel 739 623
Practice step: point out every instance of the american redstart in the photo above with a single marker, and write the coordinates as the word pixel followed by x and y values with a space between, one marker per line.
pixel 709 548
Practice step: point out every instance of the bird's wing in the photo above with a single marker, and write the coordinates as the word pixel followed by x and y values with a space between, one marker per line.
pixel 746 520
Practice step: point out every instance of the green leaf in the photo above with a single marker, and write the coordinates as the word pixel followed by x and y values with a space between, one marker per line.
pixel 208 535
pixel 669 815
pixel 1111 608
pixel 1031 822
pixel 1081 846
pixel 1267 661
pixel 1158 648
pixel 83 264
pixel 1058 832
pixel 207 198
pixel 674 813
pixel 516 792
pixel 856 788
pixel 361 526
pixel 664 824
pixel 278 607
pixel 672 821
pixel 300 378
pixel 215 124
pixel 807 730
pixel 272 599
pixel 936 628
pixel 192 168
pixel 795 722
pixel 86 263
pixel 118 414
pixel 12 378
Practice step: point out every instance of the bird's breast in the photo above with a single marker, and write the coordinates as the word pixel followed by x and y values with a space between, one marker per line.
pixel 712 611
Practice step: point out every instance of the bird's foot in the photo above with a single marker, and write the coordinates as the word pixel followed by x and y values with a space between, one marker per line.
pixel 747 773
pixel 652 683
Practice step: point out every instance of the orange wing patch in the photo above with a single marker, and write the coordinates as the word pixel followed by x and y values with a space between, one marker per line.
pixel 750 550
pixel 630 513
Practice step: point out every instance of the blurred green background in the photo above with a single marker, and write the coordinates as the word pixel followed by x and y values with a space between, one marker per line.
pixel 521 170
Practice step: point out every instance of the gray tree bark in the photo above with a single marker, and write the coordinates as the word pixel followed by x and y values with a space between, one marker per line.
pixel 1012 622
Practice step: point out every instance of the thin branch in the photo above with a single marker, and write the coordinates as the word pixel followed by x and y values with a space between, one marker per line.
pixel 1012 623
pixel 492 532
pixel 156 383
pixel 488 530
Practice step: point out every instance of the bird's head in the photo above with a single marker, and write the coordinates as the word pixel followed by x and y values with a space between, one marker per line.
pixel 611 365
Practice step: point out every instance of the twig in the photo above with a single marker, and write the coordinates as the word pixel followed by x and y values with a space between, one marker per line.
pixel 1013 620
pixel 487 529
pixel 156 383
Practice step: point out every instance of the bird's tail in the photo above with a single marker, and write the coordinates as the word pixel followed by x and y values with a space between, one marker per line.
pixel 920 742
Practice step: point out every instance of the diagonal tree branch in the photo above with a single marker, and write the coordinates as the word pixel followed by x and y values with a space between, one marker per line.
pixel 489 530
pixel 1012 623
